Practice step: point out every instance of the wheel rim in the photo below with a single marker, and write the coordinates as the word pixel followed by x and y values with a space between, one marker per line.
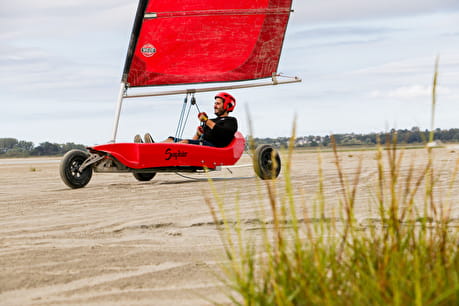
pixel 76 177
pixel 74 168
pixel 266 160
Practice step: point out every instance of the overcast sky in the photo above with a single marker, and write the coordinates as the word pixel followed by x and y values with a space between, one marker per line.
pixel 367 66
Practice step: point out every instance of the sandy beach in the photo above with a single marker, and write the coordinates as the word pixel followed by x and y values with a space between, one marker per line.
pixel 123 242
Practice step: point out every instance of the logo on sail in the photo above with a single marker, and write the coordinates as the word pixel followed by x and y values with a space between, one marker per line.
pixel 148 50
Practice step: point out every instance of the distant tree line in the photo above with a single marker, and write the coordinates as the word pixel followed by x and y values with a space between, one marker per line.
pixel 11 147
pixel 404 136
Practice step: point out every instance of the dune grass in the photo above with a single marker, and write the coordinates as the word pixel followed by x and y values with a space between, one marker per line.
pixel 407 256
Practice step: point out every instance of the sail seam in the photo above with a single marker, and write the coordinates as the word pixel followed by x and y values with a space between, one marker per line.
pixel 268 11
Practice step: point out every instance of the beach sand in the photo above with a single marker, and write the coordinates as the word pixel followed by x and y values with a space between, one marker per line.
pixel 123 242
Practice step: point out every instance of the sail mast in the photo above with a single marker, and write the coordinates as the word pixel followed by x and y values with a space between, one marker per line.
pixel 134 38
pixel 141 7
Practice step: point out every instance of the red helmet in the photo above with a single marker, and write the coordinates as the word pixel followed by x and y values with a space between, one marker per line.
pixel 229 103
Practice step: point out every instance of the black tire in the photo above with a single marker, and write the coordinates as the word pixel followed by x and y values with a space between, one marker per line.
pixel 266 162
pixel 69 166
pixel 144 177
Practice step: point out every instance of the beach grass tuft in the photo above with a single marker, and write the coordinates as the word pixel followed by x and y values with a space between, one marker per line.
pixel 407 255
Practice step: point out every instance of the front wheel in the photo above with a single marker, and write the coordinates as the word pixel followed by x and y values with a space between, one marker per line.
pixel 144 177
pixel 69 169
pixel 266 162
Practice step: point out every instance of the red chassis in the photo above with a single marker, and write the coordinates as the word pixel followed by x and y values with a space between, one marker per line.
pixel 164 156
pixel 145 159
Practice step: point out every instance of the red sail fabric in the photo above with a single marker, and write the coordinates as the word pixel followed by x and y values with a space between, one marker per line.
pixel 199 41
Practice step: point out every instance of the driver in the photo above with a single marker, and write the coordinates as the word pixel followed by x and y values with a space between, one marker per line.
pixel 216 132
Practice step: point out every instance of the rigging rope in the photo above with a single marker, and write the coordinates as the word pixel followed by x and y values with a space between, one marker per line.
pixel 184 118
pixel 180 122
pixel 187 116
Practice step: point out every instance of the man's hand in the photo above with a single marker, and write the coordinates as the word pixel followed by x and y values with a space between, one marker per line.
pixel 203 117
pixel 199 131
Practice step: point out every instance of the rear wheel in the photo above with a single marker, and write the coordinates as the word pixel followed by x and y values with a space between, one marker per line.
pixel 266 162
pixel 144 177
pixel 69 169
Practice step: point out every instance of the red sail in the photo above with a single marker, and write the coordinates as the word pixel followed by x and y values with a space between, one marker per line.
pixel 200 41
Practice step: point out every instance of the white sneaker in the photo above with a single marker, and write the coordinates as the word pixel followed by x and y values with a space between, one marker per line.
pixel 138 139
pixel 148 138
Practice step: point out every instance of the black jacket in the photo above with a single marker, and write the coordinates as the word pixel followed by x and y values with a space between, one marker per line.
pixel 222 133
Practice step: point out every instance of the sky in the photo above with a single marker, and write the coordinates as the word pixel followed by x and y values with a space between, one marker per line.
pixel 366 66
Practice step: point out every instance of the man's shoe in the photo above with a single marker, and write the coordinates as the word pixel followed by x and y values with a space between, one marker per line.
pixel 148 138
pixel 138 139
